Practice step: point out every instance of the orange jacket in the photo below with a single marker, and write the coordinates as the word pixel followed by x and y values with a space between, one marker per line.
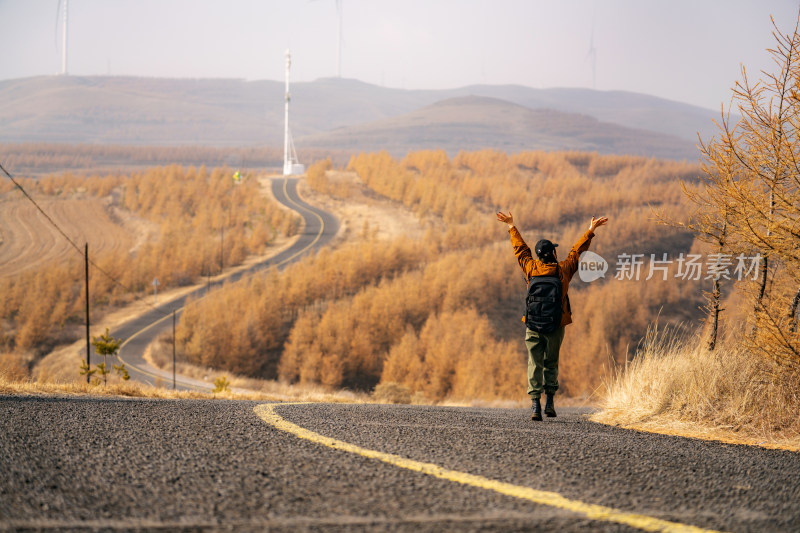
pixel 566 268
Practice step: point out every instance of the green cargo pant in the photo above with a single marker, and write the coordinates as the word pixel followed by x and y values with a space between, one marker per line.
pixel 543 351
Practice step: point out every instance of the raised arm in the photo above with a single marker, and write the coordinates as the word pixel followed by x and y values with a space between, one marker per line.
pixel 507 219
pixel 596 223
pixel 521 250
pixel 570 263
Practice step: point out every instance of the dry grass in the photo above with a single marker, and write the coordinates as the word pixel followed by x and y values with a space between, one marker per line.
pixel 14 366
pixel 276 393
pixel 364 215
pixel 61 363
pixel 241 388
pixel 675 386
pixel 159 354
pixel 30 241
pixel 60 377
pixel 134 390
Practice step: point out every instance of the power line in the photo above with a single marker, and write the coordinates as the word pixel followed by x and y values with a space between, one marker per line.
pixel 72 243
pixel 28 196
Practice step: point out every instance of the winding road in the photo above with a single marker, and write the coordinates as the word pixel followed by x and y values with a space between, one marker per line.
pixel 99 464
pixel 106 464
pixel 318 230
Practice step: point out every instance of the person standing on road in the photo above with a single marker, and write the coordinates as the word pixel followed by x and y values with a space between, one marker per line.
pixel 544 340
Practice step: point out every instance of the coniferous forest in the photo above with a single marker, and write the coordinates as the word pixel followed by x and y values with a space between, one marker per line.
pixel 438 313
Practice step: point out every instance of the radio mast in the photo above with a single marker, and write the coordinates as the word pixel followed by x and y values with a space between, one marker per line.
pixel 291 165
pixel 64 37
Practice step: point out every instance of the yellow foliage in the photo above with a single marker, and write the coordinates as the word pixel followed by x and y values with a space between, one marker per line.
pixel 456 356
pixel 441 316
pixel 205 221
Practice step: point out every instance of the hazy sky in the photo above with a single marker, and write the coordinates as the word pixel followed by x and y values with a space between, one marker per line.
pixel 686 50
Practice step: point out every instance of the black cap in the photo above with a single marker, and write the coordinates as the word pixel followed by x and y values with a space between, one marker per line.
pixel 544 248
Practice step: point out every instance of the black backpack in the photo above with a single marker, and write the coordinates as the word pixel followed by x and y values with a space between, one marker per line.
pixel 543 303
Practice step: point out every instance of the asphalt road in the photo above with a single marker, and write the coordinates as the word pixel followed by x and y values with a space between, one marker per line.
pixel 319 229
pixel 103 464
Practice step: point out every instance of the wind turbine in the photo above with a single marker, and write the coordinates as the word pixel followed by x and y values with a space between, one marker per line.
pixel 339 56
pixel 339 8
pixel 64 34
pixel 593 56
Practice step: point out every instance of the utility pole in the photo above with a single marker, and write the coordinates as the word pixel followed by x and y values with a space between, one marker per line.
pixel 155 291
pixel 221 247
pixel 88 344
pixel 287 162
pixel 173 350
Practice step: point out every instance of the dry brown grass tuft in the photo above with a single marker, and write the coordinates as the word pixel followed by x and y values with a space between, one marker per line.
pixel 675 386
pixel 267 391
pixel 134 390
pixel 392 392
pixel 159 355
pixel 14 366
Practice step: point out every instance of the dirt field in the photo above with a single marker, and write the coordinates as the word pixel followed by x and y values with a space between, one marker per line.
pixel 364 211
pixel 28 240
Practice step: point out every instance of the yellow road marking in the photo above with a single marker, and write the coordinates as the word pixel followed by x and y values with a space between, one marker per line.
pixel 321 224
pixel 288 259
pixel 596 512
pixel 147 372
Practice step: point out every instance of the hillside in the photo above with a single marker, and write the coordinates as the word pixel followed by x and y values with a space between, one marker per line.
pixel 28 240
pixel 228 112
pixel 140 111
pixel 475 122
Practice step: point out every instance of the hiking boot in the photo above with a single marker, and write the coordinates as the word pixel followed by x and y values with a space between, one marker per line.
pixel 549 406
pixel 537 409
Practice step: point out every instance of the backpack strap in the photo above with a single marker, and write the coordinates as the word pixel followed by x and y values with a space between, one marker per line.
pixel 566 294
pixel 566 297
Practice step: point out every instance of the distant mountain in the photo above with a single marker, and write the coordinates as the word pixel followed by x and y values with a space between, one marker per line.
pixel 632 110
pixel 477 122
pixel 228 112
pixel 144 111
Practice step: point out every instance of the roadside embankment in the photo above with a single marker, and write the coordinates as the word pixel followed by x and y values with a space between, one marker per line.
pixel 676 386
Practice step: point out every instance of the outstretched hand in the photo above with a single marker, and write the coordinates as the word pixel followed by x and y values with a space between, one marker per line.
pixel 597 222
pixel 508 219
